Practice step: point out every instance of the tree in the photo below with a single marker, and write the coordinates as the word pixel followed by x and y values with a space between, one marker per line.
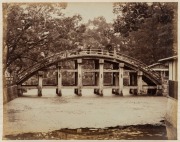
pixel 33 29
pixel 148 26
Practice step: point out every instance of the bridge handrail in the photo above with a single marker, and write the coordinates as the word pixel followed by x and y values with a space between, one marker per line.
pixel 42 60
pixel 141 64
pixel 70 53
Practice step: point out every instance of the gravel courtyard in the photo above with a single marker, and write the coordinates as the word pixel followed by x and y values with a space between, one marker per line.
pixel 50 112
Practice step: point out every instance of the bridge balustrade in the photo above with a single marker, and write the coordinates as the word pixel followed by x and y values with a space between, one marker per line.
pixel 53 59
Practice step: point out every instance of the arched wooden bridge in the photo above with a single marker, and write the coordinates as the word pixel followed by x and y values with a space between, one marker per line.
pixel 138 71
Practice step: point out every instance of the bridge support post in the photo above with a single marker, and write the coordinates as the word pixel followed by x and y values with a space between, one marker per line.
pixel 78 91
pixel 20 91
pixel 115 79
pixel 101 76
pixel 121 70
pixel 40 83
pixel 159 90
pixel 59 79
pixel 133 82
pixel 96 76
pixel 139 82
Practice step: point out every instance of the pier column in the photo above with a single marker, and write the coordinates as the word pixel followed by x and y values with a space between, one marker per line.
pixel 159 90
pixel 20 91
pixel 101 76
pixel 76 73
pixel 115 79
pixel 133 82
pixel 96 76
pixel 40 83
pixel 121 70
pixel 59 79
pixel 79 77
pixel 139 82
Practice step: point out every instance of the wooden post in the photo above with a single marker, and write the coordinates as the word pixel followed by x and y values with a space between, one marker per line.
pixel 101 76
pixel 59 78
pixel 139 82
pixel 40 83
pixel 79 61
pixel 121 70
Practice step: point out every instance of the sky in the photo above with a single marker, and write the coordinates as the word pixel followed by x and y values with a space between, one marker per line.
pixel 90 10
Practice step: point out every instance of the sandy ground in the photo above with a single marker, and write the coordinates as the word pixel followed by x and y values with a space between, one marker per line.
pixel 50 112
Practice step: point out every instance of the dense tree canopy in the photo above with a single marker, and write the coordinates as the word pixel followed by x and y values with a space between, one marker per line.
pixel 148 27
pixel 32 31
pixel 38 30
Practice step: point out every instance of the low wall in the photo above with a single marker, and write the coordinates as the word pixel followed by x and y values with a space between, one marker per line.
pixel 10 93
pixel 171 118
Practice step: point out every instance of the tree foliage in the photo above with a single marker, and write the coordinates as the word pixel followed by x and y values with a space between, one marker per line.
pixel 38 30
pixel 148 27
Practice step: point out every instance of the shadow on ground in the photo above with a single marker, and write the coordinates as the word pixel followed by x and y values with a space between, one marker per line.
pixel 133 132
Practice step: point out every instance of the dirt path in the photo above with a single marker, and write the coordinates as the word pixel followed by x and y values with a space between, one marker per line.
pixel 33 114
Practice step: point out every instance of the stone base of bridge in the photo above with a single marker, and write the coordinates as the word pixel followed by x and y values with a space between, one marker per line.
pixel 58 92
pixel 39 91
pixel 133 91
pixel 78 91
pixel 117 92
pixel 159 91
pixel 19 91
pixel 98 92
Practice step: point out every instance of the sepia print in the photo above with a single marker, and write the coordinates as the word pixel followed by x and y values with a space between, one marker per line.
pixel 90 71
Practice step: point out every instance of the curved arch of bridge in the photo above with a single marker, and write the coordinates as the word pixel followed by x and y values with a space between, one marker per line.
pixel 91 54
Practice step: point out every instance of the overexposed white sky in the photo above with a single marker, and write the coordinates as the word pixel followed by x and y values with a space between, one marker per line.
pixel 90 10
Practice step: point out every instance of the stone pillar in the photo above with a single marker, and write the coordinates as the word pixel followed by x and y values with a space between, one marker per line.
pixel 40 83
pixel 121 70
pixel 139 82
pixel 159 90
pixel 101 76
pixel 133 82
pixel 59 79
pixel 20 91
pixel 76 73
pixel 79 90
pixel 96 76
pixel 115 78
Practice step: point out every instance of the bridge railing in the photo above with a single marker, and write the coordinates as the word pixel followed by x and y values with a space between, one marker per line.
pixel 57 56
pixel 127 58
